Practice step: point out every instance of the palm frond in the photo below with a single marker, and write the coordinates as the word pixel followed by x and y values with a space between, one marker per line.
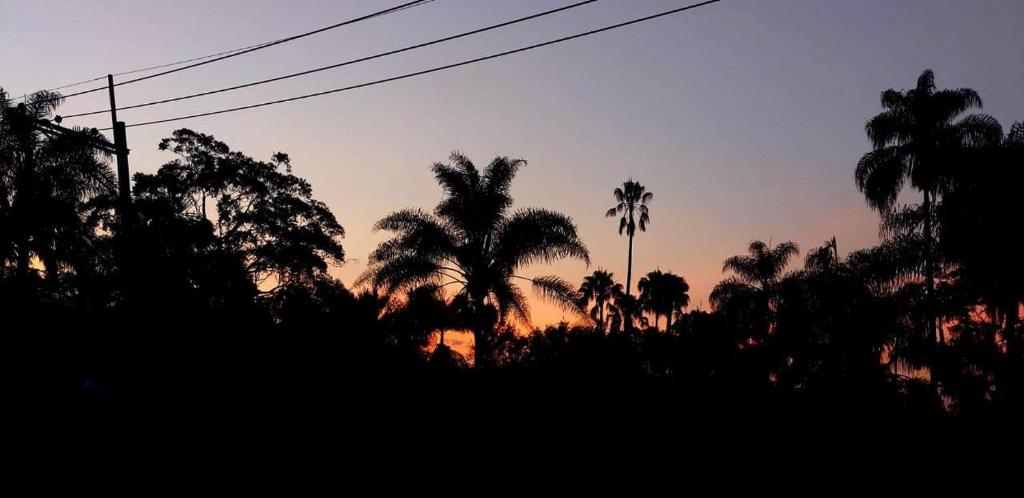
pixel 979 130
pixel 880 175
pixel 729 290
pixel 743 266
pixel 402 273
pixel 499 174
pixel 645 219
pixel 947 104
pixel 43 103
pixel 417 233
pixel 557 291
pixel 783 251
pixel 889 128
pixel 893 99
pixel 511 302
pixel 538 235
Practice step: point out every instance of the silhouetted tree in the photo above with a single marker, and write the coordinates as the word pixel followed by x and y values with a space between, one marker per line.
pixel 50 191
pixel 663 294
pixel 913 140
pixel 631 203
pixel 263 213
pixel 977 221
pixel 830 328
pixel 473 242
pixel 749 295
pixel 218 285
pixel 627 313
pixel 824 259
pixel 425 312
pixel 601 289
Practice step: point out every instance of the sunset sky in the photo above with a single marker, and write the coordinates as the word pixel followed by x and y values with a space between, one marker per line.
pixel 745 118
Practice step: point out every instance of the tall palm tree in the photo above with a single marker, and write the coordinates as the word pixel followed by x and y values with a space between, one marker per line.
pixel 663 294
pixel 912 140
pixel 601 288
pixel 754 284
pixel 631 203
pixel 472 241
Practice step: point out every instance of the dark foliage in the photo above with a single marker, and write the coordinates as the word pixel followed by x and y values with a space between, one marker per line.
pixel 214 289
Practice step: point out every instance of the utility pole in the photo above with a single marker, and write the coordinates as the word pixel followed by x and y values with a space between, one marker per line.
pixel 123 252
pixel 121 147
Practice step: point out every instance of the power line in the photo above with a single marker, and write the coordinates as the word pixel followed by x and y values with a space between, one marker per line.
pixel 186 61
pixel 246 49
pixel 431 70
pixel 161 66
pixel 340 64
pixel 254 48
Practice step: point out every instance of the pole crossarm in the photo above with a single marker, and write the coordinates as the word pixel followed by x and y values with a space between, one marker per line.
pixel 49 128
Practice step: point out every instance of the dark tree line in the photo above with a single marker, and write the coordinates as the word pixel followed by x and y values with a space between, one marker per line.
pixel 216 283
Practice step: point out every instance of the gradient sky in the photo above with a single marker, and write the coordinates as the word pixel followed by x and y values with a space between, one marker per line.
pixel 745 118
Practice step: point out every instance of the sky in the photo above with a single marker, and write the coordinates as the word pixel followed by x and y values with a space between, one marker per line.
pixel 745 118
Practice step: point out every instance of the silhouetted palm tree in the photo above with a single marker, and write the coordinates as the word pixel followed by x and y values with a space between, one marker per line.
pixel 663 294
pixel 977 226
pixel 473 242
pixel 46 184
pixel 823 259
pixel 631 203
pixel 754 285
pixel 763 265
pixel 625 313
pixel 912 140
pixel 601 288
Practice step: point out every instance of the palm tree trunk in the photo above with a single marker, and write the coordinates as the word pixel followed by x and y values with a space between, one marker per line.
pixel 23 258
pixel 668 322
pixel 929 272
pixel 49 259
pixel 483 357
pixel 629 265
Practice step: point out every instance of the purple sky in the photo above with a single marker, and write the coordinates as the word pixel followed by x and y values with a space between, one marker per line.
pixel 745 118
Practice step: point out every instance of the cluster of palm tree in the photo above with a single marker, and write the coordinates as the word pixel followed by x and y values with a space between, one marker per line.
pixel 939 298
pixel 919 139
pixel 967 172
pixel 661 294
pixel 225 262
pixel 601 289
